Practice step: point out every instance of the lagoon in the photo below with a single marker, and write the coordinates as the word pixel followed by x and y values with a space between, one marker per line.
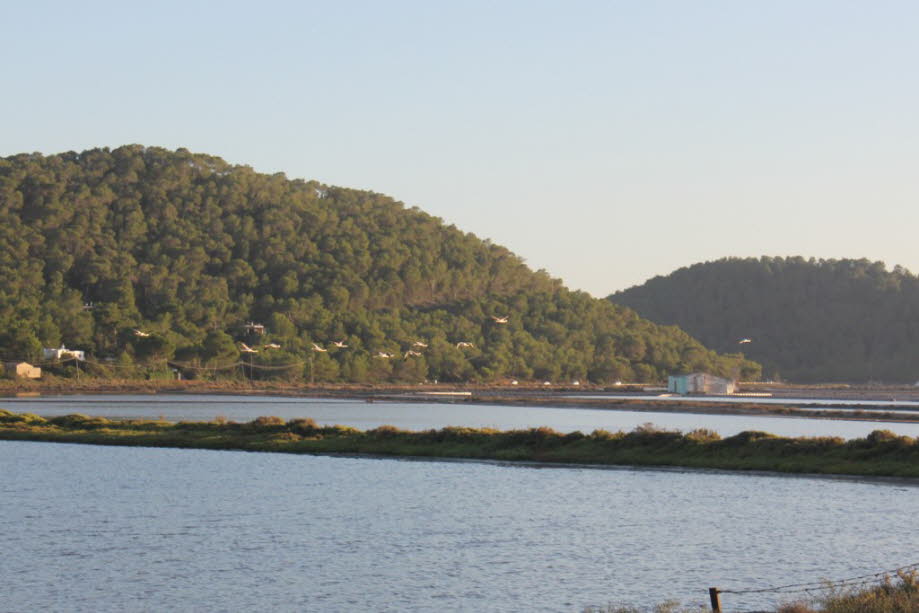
pixel 426 415
pixel 86 528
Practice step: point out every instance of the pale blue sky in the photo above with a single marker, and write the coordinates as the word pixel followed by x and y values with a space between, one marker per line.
pixel 606 142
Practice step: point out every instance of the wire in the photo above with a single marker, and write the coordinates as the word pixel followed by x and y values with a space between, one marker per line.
pixel 823 585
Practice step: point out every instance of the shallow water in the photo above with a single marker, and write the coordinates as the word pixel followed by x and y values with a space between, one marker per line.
pixel 421 416
pixel 85 528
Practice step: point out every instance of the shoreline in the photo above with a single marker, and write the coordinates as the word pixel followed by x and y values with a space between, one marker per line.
pixel 559 397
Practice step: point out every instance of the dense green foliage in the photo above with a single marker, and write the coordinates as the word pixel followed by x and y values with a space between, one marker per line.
pixel 100 249
pixel 880 453
pixel 808 320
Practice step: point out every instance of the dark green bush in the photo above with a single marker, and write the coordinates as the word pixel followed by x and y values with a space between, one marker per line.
pixel 748 436
pixel 303 425
pixel 385 431
pixel 80 421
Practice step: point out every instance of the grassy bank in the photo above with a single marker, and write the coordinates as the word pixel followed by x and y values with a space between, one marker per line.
pixel 882 453
pixel 897 593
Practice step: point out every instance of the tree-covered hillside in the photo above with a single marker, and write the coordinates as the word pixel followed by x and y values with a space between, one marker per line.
pixel 807 320
pixel 141 256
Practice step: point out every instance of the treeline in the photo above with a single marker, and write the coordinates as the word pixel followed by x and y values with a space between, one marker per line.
pixel 807 320
pixel 151 260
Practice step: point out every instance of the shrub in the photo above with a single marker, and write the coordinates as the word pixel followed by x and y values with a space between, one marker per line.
pixel 69 420
pixel 648 433
pixel 605 435
pixel 21 418
pixel 268 420
pixel 385 431
pixel 748 436
pixel 78 420
pixel 303 425
pixel 534 436
pixel 881 436
pixel 703 435
pixel 339 430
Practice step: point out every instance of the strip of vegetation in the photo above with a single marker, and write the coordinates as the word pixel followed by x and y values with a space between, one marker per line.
pixel 882 453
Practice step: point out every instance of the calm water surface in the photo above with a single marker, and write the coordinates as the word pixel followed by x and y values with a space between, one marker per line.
pixel 739 399
pixel 86 528
pixel 421 416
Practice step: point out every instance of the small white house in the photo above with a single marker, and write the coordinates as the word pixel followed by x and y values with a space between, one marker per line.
pixel 700 383
pixel 63 354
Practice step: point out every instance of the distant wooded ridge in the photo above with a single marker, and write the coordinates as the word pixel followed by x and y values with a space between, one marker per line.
pixel 806 320
pixel 152 260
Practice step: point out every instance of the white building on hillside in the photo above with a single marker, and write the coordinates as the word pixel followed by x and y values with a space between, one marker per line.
pixel 62 354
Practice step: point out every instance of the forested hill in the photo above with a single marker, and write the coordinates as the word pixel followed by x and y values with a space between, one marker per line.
pixel 142 256
pixel 807 320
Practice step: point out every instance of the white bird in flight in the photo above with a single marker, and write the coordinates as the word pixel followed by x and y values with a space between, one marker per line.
pixel 499 320
pixel 247 349
pixel 743 341
pixel 140 333
pixel 318 348
pixel 339 344
pixel 383 354
pixel 271 346
pixel 411 353
pixel 419 344
pixel 462 344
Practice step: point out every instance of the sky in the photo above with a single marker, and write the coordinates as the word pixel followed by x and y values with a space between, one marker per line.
pixel 606 142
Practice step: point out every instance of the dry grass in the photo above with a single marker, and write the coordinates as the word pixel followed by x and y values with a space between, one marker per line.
pixel 897 594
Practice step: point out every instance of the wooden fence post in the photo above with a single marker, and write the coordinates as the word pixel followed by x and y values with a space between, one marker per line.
pixel 716 599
